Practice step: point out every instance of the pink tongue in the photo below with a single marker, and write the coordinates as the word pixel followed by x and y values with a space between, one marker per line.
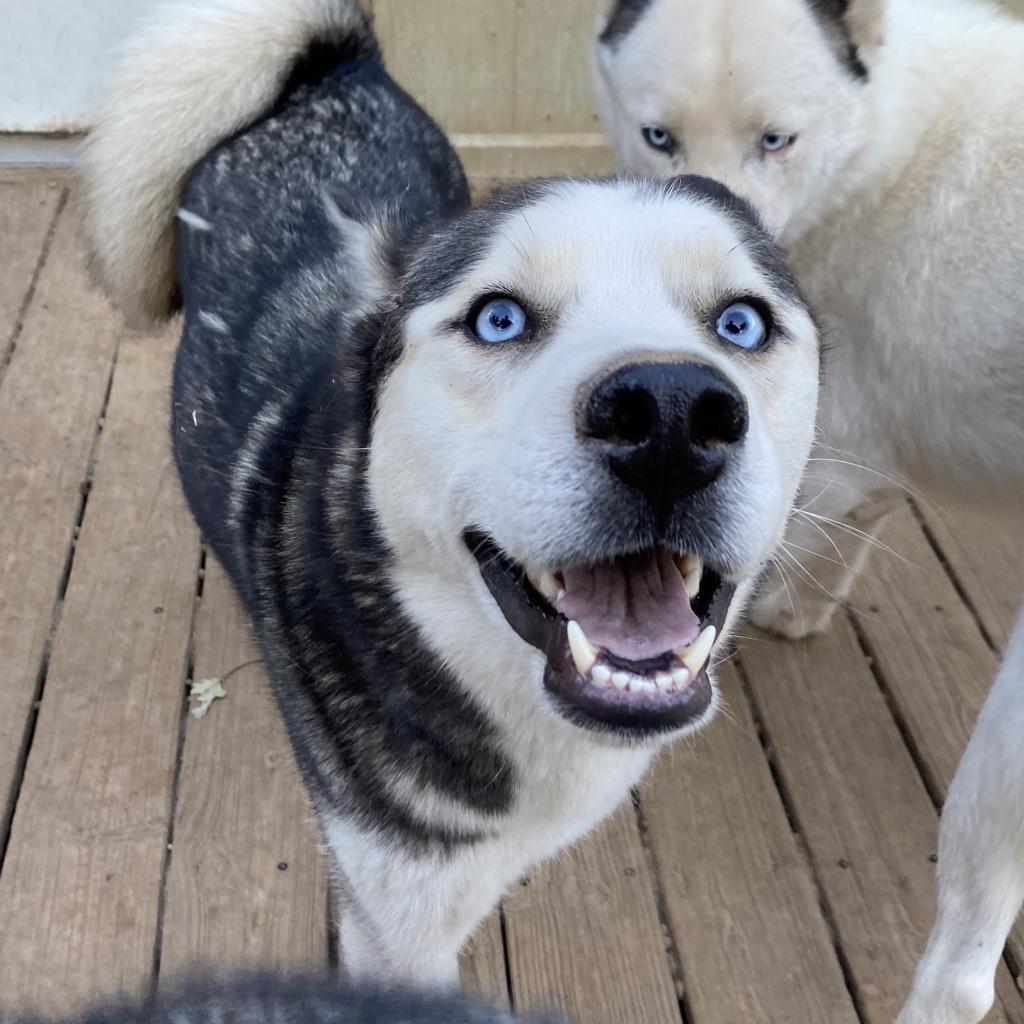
pixel 636 607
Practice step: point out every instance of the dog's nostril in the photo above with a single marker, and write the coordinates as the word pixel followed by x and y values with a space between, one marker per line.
pixel 632 418
pixel 717 420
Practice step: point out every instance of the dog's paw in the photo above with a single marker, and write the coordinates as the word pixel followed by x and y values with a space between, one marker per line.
pixel 792 615
pixel 940 997
pixel 966 1008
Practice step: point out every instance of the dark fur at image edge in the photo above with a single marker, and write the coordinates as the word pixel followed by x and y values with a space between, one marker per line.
pixel 268 999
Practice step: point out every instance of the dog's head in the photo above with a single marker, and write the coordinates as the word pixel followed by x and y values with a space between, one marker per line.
pixel 768 96
pixel 598 405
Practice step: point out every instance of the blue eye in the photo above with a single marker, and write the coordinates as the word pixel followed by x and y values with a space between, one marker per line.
pixel 500 320
pixel 775 142
pixel 740 324
pixel 659 138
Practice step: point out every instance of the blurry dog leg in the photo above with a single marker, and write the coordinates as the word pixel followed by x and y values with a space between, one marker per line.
pixel 981 861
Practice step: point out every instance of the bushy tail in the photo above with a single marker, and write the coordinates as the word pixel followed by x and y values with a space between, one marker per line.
pixel 193 75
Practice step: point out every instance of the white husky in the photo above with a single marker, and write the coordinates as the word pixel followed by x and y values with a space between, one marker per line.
pixel 884 142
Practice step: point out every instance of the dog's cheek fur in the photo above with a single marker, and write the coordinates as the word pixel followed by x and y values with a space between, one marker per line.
pixel 782 390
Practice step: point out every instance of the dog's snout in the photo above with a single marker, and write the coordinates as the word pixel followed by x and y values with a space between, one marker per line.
pixel 666 429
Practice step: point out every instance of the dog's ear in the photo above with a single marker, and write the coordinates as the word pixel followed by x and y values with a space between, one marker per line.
pixel 857 28
pixel 618 20
pixel 865 24
pixel 371 247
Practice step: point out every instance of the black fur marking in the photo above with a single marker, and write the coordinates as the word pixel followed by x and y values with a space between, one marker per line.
pixel 763 250
pixel 444 258
pixel 272 999
pixel 286 396
pixel 831 15
pixel 623 19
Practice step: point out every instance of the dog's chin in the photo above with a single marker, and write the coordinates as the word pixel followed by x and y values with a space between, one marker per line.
pixel 628 686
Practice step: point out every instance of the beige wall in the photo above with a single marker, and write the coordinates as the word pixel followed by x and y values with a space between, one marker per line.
pixel 508 79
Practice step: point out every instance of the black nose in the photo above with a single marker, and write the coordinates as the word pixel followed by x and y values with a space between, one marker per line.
pixel 667 429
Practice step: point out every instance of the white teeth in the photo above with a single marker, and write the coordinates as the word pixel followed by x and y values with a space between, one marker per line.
pixel 583 652
pixel 696 655
pixel 681 677
pixel 621 680
pixel 547 585
pixel 663 680
pixel 692 569
pixel 602 675
pixel 692 581
pixel 644 685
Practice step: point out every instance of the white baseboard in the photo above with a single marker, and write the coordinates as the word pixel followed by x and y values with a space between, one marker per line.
pixel 22 150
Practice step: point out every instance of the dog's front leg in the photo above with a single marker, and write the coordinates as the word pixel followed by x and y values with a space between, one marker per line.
pixel 981 861
pixel 837 521
pixel 406 915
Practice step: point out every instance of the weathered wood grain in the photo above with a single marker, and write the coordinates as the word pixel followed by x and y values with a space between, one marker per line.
pixel 79 891
pixel 736 886
pixel 584 937
pixel 247 886
pixel 51 398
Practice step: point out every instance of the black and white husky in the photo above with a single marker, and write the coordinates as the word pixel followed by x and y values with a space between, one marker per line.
pixel 490 481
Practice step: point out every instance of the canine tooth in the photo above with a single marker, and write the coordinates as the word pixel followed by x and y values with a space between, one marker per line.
pixel 546 584
pixel 694 656
pixel 621 680
pixel 691 567
pixel 692 580
pixel 681 677
pixel 602 675
pixel 583 653
pixel 664 680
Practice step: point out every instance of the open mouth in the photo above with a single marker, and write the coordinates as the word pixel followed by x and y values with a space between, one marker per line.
pixel 628 641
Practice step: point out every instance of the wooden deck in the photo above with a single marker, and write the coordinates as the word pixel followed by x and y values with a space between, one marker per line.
pixel 778 869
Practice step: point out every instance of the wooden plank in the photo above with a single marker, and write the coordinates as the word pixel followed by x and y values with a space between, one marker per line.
pixel 737 890
pixel 247 886
pixel 50 400
pixel 860 804
pixel 80 886
pixel 987 559
pixel 928 647
pixel 26 214
pixel 584 937
pixel 482 964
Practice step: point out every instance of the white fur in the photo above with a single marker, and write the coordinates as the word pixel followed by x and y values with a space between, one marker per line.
pixel 902 206
pixel 195 73
pixel 469 437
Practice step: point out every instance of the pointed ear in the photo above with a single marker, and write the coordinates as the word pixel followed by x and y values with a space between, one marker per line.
pixel 865 26
pixel 856 29
pixel 371 246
